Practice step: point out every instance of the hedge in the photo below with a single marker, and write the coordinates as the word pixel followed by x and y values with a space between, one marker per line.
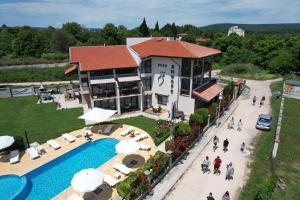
pixel 137 182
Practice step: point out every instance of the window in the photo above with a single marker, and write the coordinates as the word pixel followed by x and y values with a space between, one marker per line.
pixel 147 66
pixel 185 86
pixel 162 99
pixel 106 104
pixel 186 67
pixel 147 83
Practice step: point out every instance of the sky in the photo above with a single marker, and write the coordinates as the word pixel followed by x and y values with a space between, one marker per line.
pixel 96 13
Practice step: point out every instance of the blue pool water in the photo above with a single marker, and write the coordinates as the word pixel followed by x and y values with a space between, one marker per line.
pixel 52 178
pixel 11 186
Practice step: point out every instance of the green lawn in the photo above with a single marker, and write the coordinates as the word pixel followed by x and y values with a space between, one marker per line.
pixel 42 122
pixel 144 123
pixel 287 163
pixel 261 166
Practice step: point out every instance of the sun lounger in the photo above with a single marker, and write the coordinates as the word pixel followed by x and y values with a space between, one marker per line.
pixel 110 180
pixel 75 197
pixel 14 156
pixel 68 137
pixel 140 137
pixel 32 152
pixel 145 147
pixel 108 129
pixel 127 131
pixel 53 144
pixel 122 168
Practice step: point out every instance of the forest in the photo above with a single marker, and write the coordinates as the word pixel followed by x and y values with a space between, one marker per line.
pixel 276 50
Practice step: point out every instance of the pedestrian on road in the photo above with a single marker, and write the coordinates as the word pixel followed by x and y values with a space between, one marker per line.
pixel 254 100
pixel 205 165
pixel 243 147
pixel 216 141
pixel 226 196
pixel 225 145
pixel 217 164
pixel 240 124
pixel 231 123
pixel 210 197
pixel 229 171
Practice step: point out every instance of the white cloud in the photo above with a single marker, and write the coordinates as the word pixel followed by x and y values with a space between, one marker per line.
pixel 95 13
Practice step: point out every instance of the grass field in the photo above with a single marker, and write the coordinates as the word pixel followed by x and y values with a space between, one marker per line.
pixel 42 122
pixel 36 74
pixel 287 163
pixel 247 71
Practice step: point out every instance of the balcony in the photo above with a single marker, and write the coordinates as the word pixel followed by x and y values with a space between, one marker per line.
pixel 102 77
pixel 104 94
pixel 129 91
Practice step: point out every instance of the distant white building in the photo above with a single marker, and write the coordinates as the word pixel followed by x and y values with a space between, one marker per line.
pixel 235 29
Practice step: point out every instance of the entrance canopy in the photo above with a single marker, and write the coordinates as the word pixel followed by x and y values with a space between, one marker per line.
pixel 208 93
pixel 98 115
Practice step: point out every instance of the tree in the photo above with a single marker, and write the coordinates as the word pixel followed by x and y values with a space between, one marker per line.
pixel 73 28
pixel 283 63
pixel 174 29
pixel 156 28
pixel 6 39
pixel 27 43
pixel 63 40
pixel 182 129
pixel 110 34
pixel 144 29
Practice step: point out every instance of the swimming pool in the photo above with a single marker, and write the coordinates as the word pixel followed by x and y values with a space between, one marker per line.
pixel 12 186
pixel 55 176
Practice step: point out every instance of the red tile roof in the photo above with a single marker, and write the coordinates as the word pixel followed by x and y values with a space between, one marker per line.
pixel 70 69
pixel 102 57
pixel 209 92
pixel 172 48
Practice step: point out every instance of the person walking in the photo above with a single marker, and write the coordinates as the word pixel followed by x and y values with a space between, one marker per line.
pixel 225 145
pixel 205 165
pixel 215 141
pixel 231 123
pixel 226 196
pixel 240 124
pixel 254 100
pixel 229 171
pixel 217 164
pixel 243 147
pixel 210 197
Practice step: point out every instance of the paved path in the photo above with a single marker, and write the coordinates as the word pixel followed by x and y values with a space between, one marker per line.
pixel 196 185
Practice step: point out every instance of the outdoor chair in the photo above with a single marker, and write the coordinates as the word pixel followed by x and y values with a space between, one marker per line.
pixel 140 137
pixel 122 168
pixel 108 129
pixel 127 131
pixel 68 137
pixel 53 144
pixel 145 147
pixel 75 197
pixel 14 156
pixel 110 180
pixel 32 152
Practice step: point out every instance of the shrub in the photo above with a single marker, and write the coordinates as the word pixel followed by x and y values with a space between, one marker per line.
pixel 137 182
pixel 240 69
pixel 195 118
pixel 265 190
pixel 204 112
pixel 54 56
pixel 182 129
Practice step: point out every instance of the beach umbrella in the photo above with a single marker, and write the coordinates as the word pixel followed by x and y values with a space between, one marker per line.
pixel 6 141
pixel 98 115
pixel 127 147
pixel 87 180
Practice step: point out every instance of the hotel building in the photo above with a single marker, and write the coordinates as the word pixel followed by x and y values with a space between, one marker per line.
pixel 147 72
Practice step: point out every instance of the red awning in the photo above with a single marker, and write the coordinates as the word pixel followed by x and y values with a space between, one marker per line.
pixel 70 69
pixel 210 92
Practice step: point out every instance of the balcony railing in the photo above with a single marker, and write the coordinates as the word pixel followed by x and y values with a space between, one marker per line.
pixel 129 91
pixel 104 94
pixel 127 74
pixel 102 77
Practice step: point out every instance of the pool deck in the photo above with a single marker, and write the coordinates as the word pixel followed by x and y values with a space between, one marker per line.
pixel 26 164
